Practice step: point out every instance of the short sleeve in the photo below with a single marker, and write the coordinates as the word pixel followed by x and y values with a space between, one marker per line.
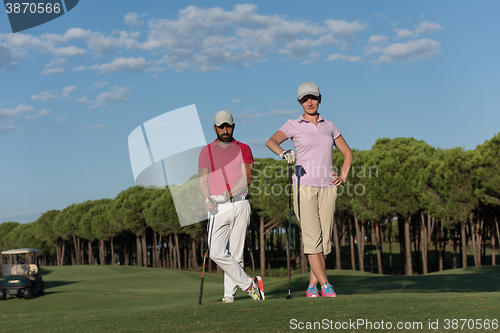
pixel 246 152
pixel 287 129
pixel 335 131
pixel 203 160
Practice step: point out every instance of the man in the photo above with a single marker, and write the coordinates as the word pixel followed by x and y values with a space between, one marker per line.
pixel 224 172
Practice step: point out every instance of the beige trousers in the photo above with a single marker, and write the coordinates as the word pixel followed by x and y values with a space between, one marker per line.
pixel 317 209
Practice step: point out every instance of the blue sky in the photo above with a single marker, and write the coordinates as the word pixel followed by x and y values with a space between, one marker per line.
pixel 73 89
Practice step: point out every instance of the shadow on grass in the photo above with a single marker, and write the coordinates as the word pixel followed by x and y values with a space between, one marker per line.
pixel 54 284
pixel 480 279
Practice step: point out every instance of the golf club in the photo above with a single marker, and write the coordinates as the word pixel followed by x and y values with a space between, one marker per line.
pixel 289 296
pixel 207 252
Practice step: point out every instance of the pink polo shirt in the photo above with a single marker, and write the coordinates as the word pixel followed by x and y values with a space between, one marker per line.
pixel 314 147
pixel 229 159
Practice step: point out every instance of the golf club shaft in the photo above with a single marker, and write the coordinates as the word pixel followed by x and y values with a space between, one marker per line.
pixel 289 230
pixel 202 278
pixel 207 253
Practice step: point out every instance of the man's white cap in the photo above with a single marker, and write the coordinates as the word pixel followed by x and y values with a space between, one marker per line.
pixel 308 88
pixel 223 117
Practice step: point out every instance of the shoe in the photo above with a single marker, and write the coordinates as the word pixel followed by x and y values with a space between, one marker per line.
pixel 327 291
pixel 227 299
pixel 257 291
pixel 312 291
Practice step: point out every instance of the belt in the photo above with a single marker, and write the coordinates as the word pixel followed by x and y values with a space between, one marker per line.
pixel 238 198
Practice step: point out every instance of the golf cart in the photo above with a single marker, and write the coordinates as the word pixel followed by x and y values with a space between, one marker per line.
pixel 21 279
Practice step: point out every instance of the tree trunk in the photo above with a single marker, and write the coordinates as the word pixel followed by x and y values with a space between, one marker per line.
pixel 336 242
pixel 125 252
pixel 144 245
pixel 112 245
pixel 379 248
pixel 102 255
pixel 442 239
pixel 76 241
pixel 372 242
pixel 252 259
pixel 139 250
pixel 91 254
pixel 360 242
pixel 296 248
pixel 455 248
pixel 408 261
pixel 195 258
pixel 390 246
pixel 177 250
pixel 262 246
pixel 463 244
pixel 423 244
pixel 303 260
pixel 63 246
pixel 493 246
pixel 351 244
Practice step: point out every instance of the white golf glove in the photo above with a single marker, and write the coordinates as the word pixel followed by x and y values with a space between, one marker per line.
pixel 288 155
pixel 217 198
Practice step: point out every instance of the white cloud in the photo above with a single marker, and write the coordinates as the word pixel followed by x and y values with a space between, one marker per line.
pixel 52 95
pixel 338 56
pixel 55 66
pixel 207 39
pixel 38 115
pixel 344 28
pixel 98 85
pixel 6 127
pixel 377 39
pixel 248 114
pixel 6 114
pixel 99 127
pixel 238 100
pixel 126 65
pixel 116 95
pixel 411 51
pixel 426 26
pixel 68 51
pixel 133 19
pixel 68 89
pixel 84 99
pixel 284 113
pixel 79 68
pixel 404 33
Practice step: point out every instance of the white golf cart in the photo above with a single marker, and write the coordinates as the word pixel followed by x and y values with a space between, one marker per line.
pixel 21 279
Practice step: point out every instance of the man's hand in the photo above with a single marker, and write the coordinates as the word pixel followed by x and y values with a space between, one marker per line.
pixel 210 204
pixel 288 155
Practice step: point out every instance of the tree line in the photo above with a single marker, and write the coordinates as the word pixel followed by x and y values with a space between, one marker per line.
pixel 401 191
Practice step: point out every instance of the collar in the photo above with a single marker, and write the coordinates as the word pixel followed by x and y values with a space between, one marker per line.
pixel 215 144
pixel 301 118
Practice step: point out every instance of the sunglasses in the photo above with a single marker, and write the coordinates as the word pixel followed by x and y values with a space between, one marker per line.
pixel 308 97
pixel 222 126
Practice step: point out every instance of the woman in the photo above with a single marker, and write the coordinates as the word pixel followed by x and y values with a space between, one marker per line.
pixel 315 182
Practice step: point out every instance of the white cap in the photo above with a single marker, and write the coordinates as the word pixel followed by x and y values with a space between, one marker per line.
pixel 308 88
pixel 223 117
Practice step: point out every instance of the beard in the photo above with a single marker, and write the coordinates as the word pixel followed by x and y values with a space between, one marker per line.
pixel 227 138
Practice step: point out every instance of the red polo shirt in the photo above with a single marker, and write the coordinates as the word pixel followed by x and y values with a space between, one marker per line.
pixel 229 159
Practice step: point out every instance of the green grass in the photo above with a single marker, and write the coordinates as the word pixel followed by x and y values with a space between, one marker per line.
pixel 136 299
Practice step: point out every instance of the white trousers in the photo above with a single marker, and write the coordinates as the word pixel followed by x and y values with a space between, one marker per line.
pixel 227 232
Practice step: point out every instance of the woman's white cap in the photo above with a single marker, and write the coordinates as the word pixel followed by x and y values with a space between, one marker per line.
pixel 308 88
